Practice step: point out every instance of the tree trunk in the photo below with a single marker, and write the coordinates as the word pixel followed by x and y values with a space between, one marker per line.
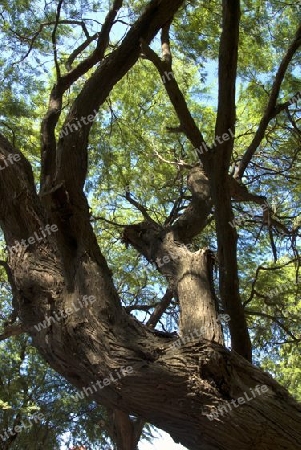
pixel 127 431
pixel 116 360
pixel 205 396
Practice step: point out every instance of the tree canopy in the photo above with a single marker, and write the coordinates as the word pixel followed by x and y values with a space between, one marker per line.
pixel 161 139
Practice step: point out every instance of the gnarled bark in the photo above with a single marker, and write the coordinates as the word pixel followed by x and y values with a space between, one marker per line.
pixel 177 388
pixel 166 386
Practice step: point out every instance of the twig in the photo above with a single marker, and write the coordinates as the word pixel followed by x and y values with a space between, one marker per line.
pixel 140 207
pixel 272 108
pixel 53 38
pixel 179 163
pixel 95 218
pixel 274 319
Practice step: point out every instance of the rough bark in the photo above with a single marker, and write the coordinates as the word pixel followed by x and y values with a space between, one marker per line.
pixel 126 431
pixel 174 388
pixel 216 164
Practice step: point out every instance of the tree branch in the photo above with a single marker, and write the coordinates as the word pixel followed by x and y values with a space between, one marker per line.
pixel 187 123
pixel 79 50
pixel 240 193
pixel 48 147
pixel 272 109
pixel 53 37
pixel 274 319
pixel 140 207
pixel 160 309
pixel 71 155
pixel 219 181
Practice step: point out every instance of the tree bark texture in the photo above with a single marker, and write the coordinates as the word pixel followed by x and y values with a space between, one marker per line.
pixel 176 389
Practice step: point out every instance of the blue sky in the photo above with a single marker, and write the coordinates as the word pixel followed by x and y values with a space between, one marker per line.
pixel 162 442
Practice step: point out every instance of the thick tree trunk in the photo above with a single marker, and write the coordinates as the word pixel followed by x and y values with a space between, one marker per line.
pixel 205 396
pixel 119 362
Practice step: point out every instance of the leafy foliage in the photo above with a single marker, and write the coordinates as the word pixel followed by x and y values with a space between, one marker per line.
pixel 130 150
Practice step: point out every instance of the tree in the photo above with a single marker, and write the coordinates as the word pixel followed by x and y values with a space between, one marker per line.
pixel 64 295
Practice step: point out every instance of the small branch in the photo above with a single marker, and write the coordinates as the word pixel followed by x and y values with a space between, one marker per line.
pixel 273 246
pixel 137 307
pixel 79 50
pixel 98 53
pixel 240 193
pixel 293 122
pixel 280 266
pixel 38 32
pixel 175 210
pixel 179 163
pixel 95 218
pixel 274 319
pixel 178 129
pixel 10 278
pixel 140 207
pixel 187 123
pixel 12 131
pixel 160 309
pixel 272 109
pixel 53 37
pixel 6 267
pixel 259 268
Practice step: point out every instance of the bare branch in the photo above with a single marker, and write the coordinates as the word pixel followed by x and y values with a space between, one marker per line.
pixel 79 50
pixel 137 307
pixel 240 193
pixel 272 109
pixel 95 218
pixel 40 29
pixel 48 148
pixel 187 123
pixel 140 207
pixel 53 37
pixel 98 54
pixel 98 87
pixel 179 163
pixel 160 309
pixel 259 268
pixel 275 320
